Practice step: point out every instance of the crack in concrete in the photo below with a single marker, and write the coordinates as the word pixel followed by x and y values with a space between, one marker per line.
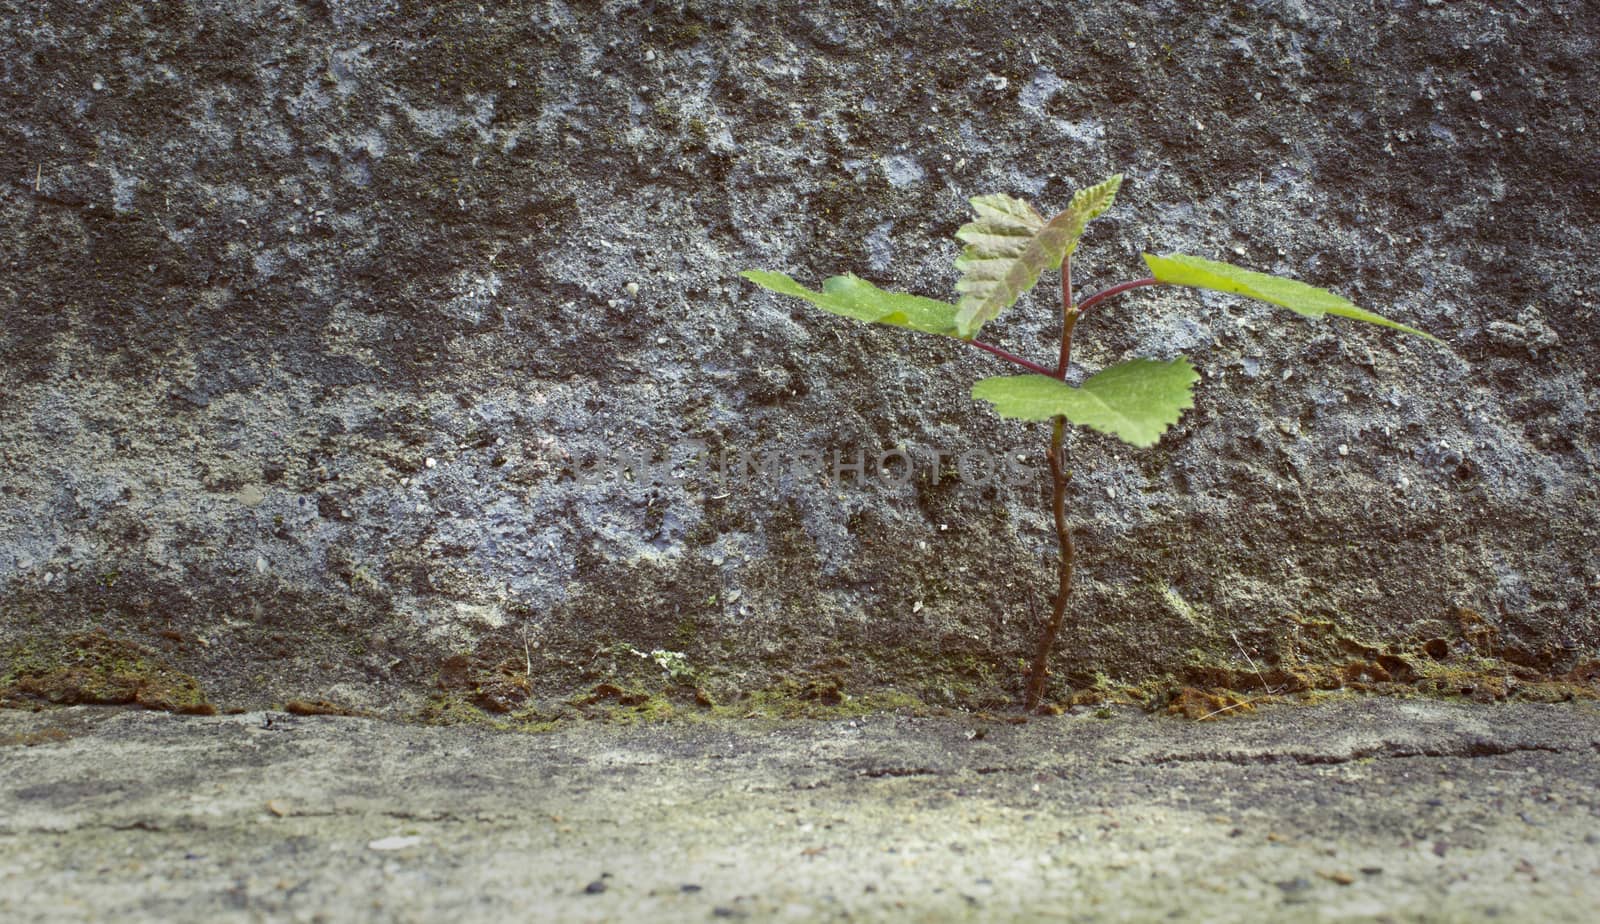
pixel 187 824
pixel 1470 751
pixel 881 772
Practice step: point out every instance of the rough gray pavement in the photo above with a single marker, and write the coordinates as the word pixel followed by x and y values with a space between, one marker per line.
pixel 1349 811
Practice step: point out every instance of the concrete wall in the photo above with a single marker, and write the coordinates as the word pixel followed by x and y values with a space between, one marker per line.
pixel 309 309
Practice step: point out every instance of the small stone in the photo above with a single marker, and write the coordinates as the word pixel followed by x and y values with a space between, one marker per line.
pixel 595 887
pixel 261 565
pixel 1344 450
pixel 1477 96
pixel 431 462
pixel 631 288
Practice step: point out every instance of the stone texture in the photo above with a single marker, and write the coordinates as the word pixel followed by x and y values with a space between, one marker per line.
pixel 309 309
pixel 1409 811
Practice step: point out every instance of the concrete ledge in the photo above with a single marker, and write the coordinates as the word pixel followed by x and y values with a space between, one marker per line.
pixel 1360 810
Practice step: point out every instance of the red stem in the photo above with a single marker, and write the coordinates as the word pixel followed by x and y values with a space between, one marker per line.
pixel 1069 317
pixel 1117 289
pixel 1039 670
pixel 1012 357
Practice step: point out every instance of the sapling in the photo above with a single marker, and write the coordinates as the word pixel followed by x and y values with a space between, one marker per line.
pixel 1007 249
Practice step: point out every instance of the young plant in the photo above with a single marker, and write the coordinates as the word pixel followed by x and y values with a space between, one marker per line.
pixel 1007 248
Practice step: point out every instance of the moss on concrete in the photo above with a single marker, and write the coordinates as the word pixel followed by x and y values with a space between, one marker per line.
pixel 511 684
pixel 94 668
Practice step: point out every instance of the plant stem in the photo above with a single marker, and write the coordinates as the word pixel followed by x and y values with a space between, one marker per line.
pixel 1011 357
pixel 1069 317
pixel 1039 673
pixel 1117 289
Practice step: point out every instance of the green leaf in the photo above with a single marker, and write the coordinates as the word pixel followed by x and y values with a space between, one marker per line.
pixel 857 298
pixel 1010 245
pixel 1310 301
pixel 1135 401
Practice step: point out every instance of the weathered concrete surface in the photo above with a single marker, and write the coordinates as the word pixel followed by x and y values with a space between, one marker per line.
pixel 307 308
pixel 1366 810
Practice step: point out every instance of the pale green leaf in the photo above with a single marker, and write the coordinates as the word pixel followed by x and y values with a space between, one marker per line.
pixel 1135 401
pixel 1310 301
pixel 857 298
pixel 1009 245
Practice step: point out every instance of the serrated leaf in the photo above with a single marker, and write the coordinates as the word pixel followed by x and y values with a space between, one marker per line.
pixel 1010 245
pixel 1307 300
pixel 854 297
pixel 1135 401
